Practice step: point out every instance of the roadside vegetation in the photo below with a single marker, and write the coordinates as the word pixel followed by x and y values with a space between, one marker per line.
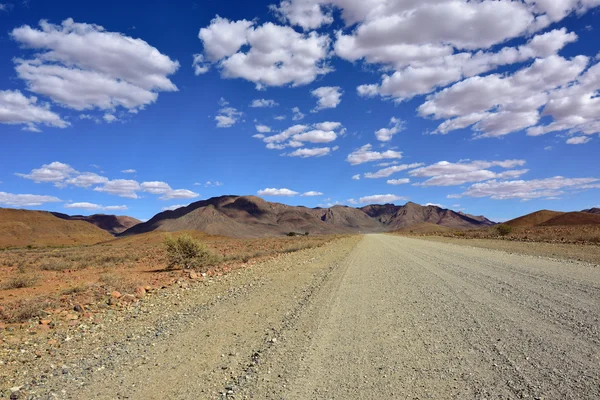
pixel 35 278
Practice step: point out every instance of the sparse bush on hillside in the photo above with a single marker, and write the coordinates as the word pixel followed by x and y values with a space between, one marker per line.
pixel 291 234
pixel 504 229
pixel 187 253
pixel 20 282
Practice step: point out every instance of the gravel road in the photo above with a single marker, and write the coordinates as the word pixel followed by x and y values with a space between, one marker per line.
pixel 382 317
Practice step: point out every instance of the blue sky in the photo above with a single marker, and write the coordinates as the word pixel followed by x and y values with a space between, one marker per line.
pixel 488 107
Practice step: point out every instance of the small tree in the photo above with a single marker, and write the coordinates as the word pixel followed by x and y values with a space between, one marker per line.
pixel 186 252
pixel 291 234
pixel 504 229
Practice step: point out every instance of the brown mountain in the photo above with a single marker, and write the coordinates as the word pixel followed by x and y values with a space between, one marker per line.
pixel 594 210
pixel 112 224
pixel 573 218
pixel 41 228
pixel 533 219
pixel 250 216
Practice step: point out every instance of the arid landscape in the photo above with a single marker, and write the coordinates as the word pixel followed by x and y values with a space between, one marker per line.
pixel 65 281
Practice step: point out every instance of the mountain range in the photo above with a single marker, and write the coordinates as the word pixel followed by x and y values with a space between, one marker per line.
pixel 251 216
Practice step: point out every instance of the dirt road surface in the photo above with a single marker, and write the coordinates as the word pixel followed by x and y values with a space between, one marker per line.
pixel 381 317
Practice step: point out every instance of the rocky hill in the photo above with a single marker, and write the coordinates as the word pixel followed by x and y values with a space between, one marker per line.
pixel 41 228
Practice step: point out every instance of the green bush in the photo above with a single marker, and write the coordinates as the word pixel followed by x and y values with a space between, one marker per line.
pixel 504 229
pixel 187 253
pixel 291 234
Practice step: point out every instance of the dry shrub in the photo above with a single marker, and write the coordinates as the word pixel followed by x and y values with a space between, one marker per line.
pixel 187 253
pixel 20 282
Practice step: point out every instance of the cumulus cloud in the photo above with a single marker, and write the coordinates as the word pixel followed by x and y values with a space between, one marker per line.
pixel 297 115
pixel 55 172
pixel 314 152
pixel 228 116
pixel 356 177
pixel 578 140
pixel 263 103
pixel 120 187
pixel 311 194
pixel 386 134
pixel 367 154
pixel 263 129
pixel 86 179
pixel 385 172
pixel 129 171
pixel 402 181
pixel 277 192
pixel 268 54
pixel 529 190
pixel 97 207
pixel 504 104
pixel 327 97
pixel 82 66
pixel 445 173
pixel 25 200
pixel 63 175
pixel 164 189
pixel 299 135
pixel 380 199
pixel 18 109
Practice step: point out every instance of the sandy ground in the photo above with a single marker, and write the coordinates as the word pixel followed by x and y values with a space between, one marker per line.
pixel 382 317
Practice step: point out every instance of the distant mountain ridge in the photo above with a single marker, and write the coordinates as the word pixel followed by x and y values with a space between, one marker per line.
pixel 112 224
pixel 251 216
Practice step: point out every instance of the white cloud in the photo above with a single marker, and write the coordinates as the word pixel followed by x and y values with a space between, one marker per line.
pixel 129 171
pixel 82 66
pixel 385 134
pixel 92 206
pixel 445 173
pixel 297 115
pixel 328 126
pixel 109 118
pixel 268 55
pixel 262 103
pixel 164 189
pixel 327 97
pixel 279 117
pixel 366 154
pixel 228 116
pixel 86 179
pixel 120 187
pixel 5 7
pixel 263 128
pixel 25 200
pixel 504 104
pixel 174 207
pixel 199 65
pixel 314 152
pixel 55 172
pixel 384 173
pixel 434 205
pixel 578 140
pixel 179 194
pixel 528 190
pixel 356 177
pixel 277 192
pixel 402 181
pixel 316 136
pixel 311 194
pixel 213 184
pixel 380 199
pixel 156 187
pixel 17 109
pixel 574 108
